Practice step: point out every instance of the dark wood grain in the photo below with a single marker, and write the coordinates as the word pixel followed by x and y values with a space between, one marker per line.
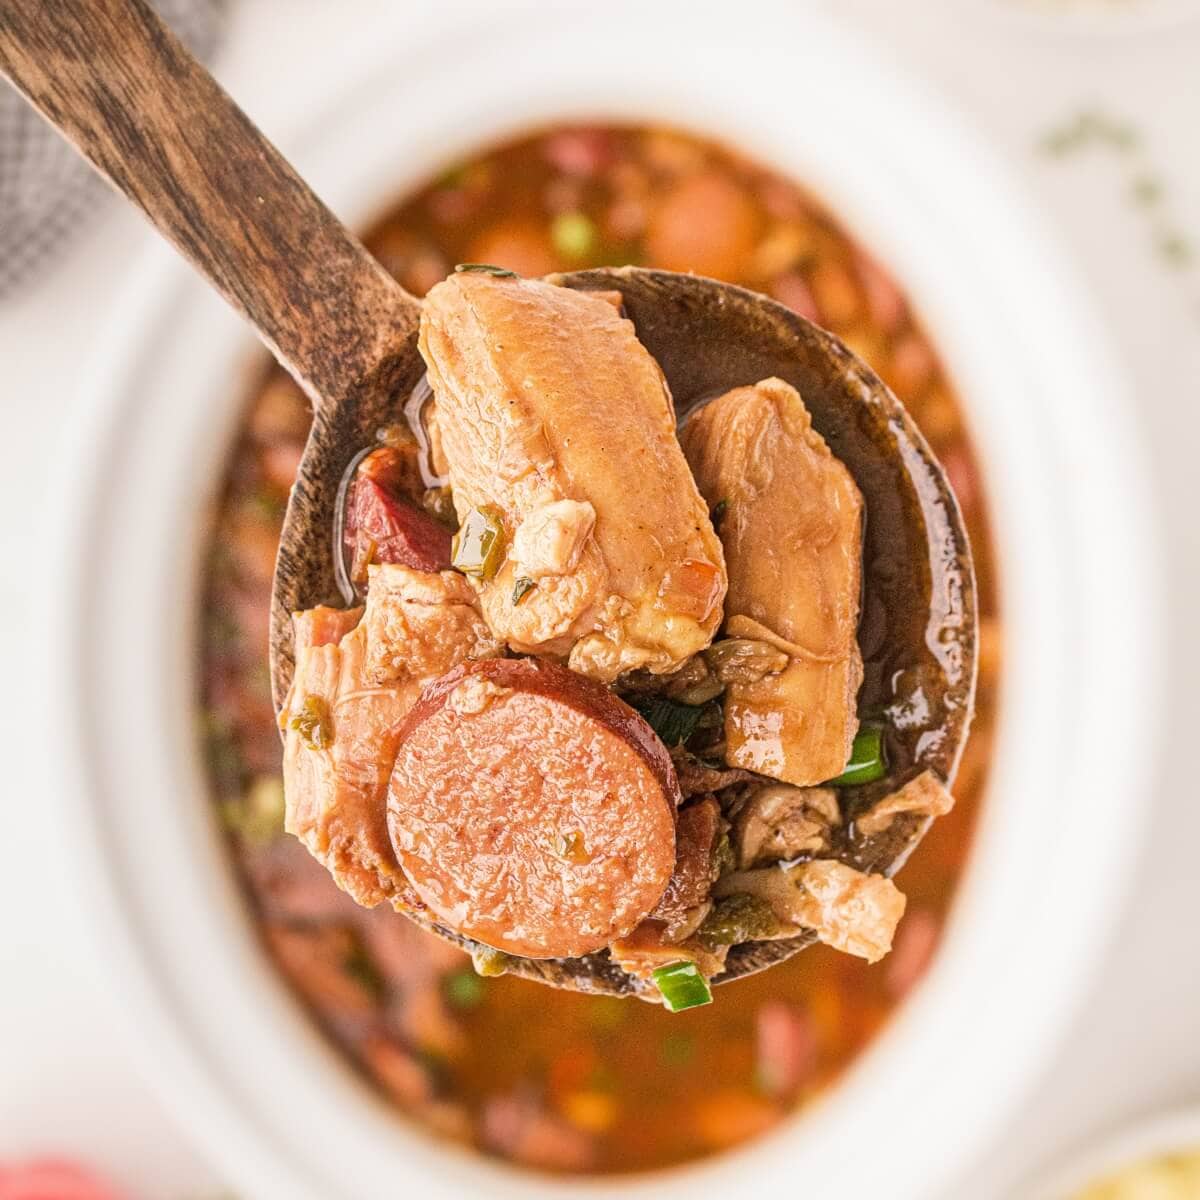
pixel 919 617
pixel 135 103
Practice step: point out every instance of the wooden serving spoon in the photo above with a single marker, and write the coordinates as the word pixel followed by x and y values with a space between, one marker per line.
pixel 154 122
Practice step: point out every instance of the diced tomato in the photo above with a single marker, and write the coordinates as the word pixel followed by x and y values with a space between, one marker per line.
pixel 691 587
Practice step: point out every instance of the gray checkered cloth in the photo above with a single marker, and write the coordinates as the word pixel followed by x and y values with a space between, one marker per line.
pixel 47 192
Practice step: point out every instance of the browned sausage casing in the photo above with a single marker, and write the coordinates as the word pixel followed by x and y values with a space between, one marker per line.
pixel 531 809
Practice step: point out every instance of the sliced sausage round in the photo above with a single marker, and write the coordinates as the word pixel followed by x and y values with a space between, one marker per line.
pixel 531 809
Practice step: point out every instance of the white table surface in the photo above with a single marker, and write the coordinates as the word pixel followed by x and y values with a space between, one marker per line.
pixel 65 1082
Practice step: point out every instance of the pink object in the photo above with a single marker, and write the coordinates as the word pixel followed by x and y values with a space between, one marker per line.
pixel 787 1047
pixel 52 1179
pixel 884 301
pixel 916 941
pixel 578 151
pixel 792 290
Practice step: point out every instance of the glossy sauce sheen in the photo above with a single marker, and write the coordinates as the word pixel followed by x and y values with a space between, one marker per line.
pixel 531 809
pixel 553 1080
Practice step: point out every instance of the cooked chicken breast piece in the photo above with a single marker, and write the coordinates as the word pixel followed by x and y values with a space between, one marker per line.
pixel 554 416
pixel 790 520
pixel 847 909
pixel 925 796
pixel 357 675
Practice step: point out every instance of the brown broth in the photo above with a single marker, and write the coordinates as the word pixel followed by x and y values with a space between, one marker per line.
pixel 555 1080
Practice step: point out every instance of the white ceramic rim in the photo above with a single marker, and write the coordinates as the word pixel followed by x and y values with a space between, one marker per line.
pixel 1090 20
pixel 1174 1132
pixel 224 1044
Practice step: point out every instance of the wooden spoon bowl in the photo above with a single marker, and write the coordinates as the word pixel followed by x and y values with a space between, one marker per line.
pixel 153 121
pixel 918 628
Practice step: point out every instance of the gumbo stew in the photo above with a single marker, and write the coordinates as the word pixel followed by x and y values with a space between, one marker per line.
pixel 553 1080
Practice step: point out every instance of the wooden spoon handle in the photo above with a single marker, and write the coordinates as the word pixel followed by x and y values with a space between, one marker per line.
pixel 151 119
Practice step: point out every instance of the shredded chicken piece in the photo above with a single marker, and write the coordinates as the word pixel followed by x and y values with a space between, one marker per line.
pixel 546 398
pixel 354 682
pixel 416 621
pixel 925 795
pixel 847 909
pixel 791 526
pixel 551 538
pixel 782 822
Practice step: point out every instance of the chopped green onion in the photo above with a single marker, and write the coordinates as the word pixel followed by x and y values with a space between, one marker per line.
pixel 521 587
pixel 312 723
pixel 478 545
pixel 573 235
pixel 485 269
pixel 464 989
pixel 682 986
pixel 718 511
pixel 867 762
pixel 673 722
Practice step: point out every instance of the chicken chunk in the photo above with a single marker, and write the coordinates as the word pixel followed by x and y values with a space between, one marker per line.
pixel 553 416
pixel 925 795
pixel 847 909
pixel 355 681
pixel 418 624
pixel 779 822
pixel 791 525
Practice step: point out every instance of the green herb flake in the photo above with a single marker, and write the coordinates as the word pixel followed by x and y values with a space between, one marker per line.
pixel 478 546
pixel 485 269
pixel 718 511
pixel 673 722
pixel 521 588
pixel 574 235
pixel 682 986
pixel 313 723
pixel 464 990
